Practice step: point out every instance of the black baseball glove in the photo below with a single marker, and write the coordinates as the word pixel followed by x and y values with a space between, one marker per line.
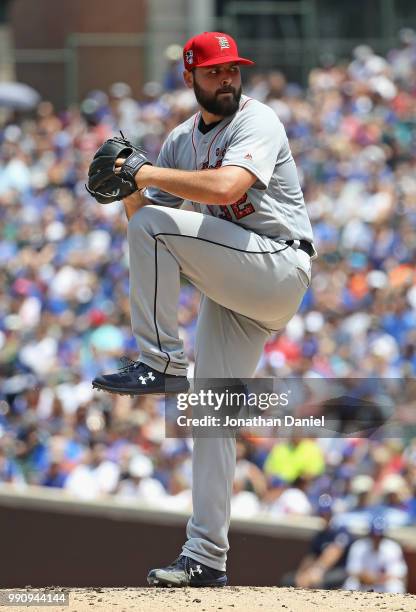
pixel 103 183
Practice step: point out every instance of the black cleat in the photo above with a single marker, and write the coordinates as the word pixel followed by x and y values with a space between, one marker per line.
pixel 137 378
pixel 185 572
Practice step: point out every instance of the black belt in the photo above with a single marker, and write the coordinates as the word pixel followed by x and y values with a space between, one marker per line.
pixel 304 245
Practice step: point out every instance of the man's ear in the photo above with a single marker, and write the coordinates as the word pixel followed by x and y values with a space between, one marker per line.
pixel 188 78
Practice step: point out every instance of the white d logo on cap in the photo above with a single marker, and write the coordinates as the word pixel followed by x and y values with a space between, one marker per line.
pixel 223 42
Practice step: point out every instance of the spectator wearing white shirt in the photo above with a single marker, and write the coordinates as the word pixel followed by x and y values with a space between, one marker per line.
pixel 140 485
pixel 376 563
pixel 95 476
pixel 283 498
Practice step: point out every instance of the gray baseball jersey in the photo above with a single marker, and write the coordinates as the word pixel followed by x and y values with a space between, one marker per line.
pixel 253 138
pixel 251 283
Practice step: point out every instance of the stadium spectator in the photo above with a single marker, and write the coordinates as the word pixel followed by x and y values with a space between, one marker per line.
pixel 55 476
pixel 95 476
pixel 290 459
pixel 283 498
pixel 324 565
pixel 376 563
pixel 139 483
pixel 64 311
pixel 9 470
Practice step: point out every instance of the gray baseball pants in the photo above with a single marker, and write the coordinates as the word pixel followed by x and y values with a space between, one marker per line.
pixel 251 286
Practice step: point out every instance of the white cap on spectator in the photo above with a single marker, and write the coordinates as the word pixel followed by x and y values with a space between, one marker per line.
pixel 120 90
pixel 361 484
pixel 407 36
pixel 362 52
pixel 377 279
pixel 385 346
pixel 314 321
pixel 173 53
pixel 140 467
pixel 394 483
pixel 55 231
pixel 12 133
pixel 153 89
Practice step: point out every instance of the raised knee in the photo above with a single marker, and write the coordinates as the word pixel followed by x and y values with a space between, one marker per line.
pixel 142 219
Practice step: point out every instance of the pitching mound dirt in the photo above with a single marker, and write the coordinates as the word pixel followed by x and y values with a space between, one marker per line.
pixel 261 599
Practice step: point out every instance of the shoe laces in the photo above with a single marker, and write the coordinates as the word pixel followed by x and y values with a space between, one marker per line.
pixel 181 561
pixel 127 364
pixel 184 563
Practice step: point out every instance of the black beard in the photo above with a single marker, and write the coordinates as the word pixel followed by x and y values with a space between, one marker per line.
pixel 218 105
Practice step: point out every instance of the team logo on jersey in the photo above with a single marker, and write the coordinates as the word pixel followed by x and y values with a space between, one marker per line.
pixel 189 56
pixel 223 42
pixel 248 156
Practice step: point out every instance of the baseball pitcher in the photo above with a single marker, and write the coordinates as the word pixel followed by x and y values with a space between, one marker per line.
pixel 247 245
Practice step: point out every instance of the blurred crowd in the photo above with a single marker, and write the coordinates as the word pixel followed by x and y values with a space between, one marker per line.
pixel 64 308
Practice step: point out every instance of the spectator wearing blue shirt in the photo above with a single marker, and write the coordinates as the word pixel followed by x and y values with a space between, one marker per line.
pixel 324 566
pixel 55 477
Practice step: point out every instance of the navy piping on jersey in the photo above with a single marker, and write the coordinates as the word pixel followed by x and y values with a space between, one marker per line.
pixel 226 246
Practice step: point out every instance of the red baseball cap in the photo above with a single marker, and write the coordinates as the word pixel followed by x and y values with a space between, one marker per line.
pixel 211 48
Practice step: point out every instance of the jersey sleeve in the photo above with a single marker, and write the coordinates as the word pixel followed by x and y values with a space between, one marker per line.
pixel 164 160
pixel 394 562
pixel 258 142
pixel 355 559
